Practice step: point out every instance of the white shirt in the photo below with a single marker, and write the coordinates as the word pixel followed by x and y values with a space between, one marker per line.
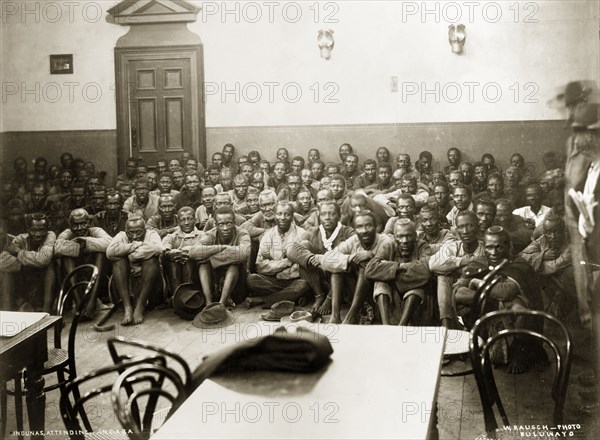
pixel 527 213
pixel 590 185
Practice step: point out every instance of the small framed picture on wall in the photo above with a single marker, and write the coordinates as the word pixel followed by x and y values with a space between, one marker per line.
pixel 61 64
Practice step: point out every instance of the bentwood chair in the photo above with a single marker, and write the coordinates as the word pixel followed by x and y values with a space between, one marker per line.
pixel 92 391
pixel 122 350
pixel 457 341
pixel 60 360
pixel 534 325
pixel 155 388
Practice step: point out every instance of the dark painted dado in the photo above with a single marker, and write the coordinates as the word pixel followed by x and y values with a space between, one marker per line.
pixel 530 138
pixel 98 146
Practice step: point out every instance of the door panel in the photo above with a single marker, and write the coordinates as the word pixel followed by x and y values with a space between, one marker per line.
pixel 160 108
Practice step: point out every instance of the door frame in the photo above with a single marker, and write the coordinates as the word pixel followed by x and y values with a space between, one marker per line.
pixel 122 57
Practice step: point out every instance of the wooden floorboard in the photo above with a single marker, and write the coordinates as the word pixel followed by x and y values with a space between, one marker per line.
pixel 459 408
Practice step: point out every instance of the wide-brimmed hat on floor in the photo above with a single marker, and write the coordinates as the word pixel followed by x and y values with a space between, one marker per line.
pixel 188 301
pixel 279 310
pixel 214 315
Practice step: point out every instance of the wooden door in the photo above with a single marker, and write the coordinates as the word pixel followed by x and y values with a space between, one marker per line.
pixel 160 108
pixel 160 103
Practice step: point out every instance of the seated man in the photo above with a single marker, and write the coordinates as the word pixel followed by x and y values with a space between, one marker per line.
pixel 308 181
pixel 517 290
pixel 454 158
pixel 317 169
pixel 449 262
pixel 76 198
pixel 223 200
pixel 462 196
pixel 97 201
pixel 384 179
pixel 38 200
pixel 306 215
pixel 485 209
pixel 520 232
pixel 466 169
pixel 369 177
pixel 277 277
pixel 221 255
pixel 191 194
pixel 165 222
pixel 141 203
pixel 238 193
pixel 405 208
pixel 512 188
pixel 289 191
pixel 441 196
pixel 259 223
pixel 308 253
pixel 550 256
pixel 278 176
pixel 28 276
pixel 480 177
pixel 358 202
pixel 402 279
pixel 430 229
pixel 251 207
pixel 130 172
pixel 165 185
pixel 533 211
pixel 80 244
pixel 135 252
pixel 178 266
pixel 337 185
pixel 455 178
pixel 113 218
pixel 205 211
pixel 350 170
pixel 347 262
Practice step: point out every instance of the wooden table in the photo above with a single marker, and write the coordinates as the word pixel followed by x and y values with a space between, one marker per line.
pixel 381 383
pixel 29 349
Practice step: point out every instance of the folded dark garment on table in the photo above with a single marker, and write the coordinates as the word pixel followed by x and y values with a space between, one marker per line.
pixel 303 351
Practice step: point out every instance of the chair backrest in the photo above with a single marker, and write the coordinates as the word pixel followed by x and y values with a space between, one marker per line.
pixel 67 290
pixel 134 349
pixel 486 286
pixel 528 326
pixel 151 384
pixel 73 403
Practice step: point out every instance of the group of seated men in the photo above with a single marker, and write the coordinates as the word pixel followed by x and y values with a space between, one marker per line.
pixel 398 242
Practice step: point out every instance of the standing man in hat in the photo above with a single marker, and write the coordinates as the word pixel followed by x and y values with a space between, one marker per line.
pixel 135 252
pixel 221 255
pixel 583 217
pixel 83 243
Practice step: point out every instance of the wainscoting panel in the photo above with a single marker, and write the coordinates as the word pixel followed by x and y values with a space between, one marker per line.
pixel 530 138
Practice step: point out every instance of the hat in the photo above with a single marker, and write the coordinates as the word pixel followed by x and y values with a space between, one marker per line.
pixel 214 315
pixel 586 116
pixel 575 91
pixel 279 310
pixel 188 300
pixel 301 315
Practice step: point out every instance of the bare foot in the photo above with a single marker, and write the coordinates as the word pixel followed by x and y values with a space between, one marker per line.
pixel 335 320
pixel 319 300
pixel 252 302
pixel 89 312
pixel 325 308
pixel 128 318
pixel 138 314
pixel 350 319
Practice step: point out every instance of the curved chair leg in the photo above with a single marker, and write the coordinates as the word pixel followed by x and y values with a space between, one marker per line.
pixel 19 405
pixel 3 410
pixel 82 413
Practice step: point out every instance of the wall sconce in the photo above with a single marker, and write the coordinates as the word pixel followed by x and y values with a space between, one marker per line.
pixel 457 37
pixel 325 41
